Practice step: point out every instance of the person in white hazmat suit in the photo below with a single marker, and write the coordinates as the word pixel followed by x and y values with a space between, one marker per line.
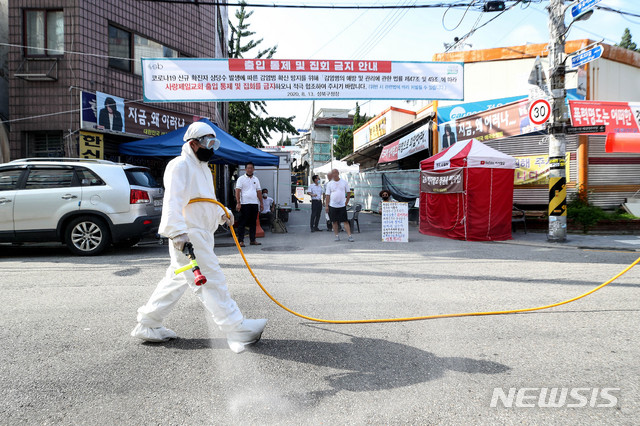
pixel 186 178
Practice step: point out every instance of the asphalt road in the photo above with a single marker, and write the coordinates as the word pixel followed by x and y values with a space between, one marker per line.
pixel 66 356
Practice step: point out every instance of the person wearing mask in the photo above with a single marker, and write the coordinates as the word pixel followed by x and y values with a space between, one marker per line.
pixel 267 206
pixel 336 204
pixel 188 217
pixel 249 203
pixel 315 192
pixel 385 196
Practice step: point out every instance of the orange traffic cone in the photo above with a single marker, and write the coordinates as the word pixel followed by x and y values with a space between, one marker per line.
pixel 259 230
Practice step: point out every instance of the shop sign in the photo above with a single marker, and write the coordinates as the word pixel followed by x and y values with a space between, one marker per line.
pixel 378 129
pixel 91 145
pixel 216 80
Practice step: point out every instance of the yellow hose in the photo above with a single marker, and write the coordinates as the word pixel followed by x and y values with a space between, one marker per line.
pixel 425 317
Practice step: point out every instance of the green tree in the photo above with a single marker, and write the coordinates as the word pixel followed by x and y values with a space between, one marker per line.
pixel 344 145
pixel 249 121
pixel 627 42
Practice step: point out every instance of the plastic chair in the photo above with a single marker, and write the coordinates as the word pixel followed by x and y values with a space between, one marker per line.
pixel 354 219
pixel 518 215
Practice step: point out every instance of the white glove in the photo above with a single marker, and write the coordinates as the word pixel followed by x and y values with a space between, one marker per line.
pixel 179 241
pixel 228 220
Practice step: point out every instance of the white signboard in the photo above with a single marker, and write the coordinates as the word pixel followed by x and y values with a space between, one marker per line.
pixel 415 141
pixel 395 222
pixel 214 80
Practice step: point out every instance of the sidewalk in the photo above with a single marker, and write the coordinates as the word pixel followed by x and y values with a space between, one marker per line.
pixel 370 224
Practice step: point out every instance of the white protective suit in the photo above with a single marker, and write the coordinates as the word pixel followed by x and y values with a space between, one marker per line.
pixel 187 178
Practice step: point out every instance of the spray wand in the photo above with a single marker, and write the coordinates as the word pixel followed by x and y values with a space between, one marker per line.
pixel 193 265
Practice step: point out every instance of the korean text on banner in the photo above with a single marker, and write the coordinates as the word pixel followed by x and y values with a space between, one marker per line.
pixel 414 142
pixel 534 169
pixel 389 153
pixel 507 120
pixel 215 80
pixel 395 222
pixel 91 145
pixel 617 117
pixel 447 182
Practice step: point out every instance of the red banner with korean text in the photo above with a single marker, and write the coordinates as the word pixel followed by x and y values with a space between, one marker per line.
pixel 617 117
pixel 389 153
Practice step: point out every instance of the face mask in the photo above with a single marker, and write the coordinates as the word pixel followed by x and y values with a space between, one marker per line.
pixel 204 154
pixel 264 195
pixel 385 198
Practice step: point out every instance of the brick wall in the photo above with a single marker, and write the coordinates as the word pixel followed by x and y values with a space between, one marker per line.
pixel 189 29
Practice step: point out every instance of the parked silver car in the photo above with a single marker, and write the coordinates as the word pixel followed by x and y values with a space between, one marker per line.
pixel 86 204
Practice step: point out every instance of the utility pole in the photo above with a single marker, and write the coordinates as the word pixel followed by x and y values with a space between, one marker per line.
pixel 311 143
pixel 557 124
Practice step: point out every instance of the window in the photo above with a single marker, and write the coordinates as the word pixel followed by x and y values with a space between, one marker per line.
pixel 122 52
pixel 45 144
pixel 145 48
pixel 9 179
pixel 119 48
pixel 49 178
pixel 141 177
pixel 88 178
pixel 44 32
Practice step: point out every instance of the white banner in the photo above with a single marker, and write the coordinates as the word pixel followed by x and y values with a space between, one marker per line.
pixel 215 80
pixel 395 222
pixel 416 141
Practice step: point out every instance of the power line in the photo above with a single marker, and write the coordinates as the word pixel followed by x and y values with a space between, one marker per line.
pixel 305 6
pixel 74 111
pixel 476 28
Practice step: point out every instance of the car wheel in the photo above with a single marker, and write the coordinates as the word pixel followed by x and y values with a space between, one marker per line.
pixel 87 236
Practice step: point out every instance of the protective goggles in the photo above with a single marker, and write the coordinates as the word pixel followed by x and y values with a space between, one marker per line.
pixel 209 142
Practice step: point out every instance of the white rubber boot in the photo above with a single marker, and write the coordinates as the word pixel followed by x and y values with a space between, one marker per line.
pixel 247 333
pixel 156 334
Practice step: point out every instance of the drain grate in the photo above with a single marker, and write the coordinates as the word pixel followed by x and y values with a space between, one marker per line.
pixel 282 248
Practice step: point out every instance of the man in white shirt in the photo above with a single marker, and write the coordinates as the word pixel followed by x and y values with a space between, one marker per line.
pixel 315 192
pixel 336 204
pixel 249 203
pixel 267 206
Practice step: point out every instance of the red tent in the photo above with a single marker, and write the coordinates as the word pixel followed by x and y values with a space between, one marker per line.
pixel 466 193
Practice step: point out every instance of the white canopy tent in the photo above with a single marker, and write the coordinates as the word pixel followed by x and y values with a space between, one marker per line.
pixel 342 167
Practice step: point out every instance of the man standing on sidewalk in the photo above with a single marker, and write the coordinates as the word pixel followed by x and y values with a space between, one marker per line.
pixel 315 192
pixel 249 200
pixel 336 204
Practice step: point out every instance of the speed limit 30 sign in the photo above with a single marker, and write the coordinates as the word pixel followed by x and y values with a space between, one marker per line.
pixel 539 111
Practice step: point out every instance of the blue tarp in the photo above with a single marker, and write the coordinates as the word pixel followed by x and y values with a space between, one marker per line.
pixel 231 150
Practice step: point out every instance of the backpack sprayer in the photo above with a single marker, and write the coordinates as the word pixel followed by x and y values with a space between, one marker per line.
pixel 193 265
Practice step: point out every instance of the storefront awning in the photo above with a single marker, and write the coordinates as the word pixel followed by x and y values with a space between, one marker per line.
pixel 623 142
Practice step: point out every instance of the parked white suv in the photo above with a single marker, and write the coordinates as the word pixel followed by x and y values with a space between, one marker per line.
pixel 86 204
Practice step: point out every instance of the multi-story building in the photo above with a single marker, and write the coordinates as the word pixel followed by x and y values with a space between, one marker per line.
pixel 74 72
pixel 316 145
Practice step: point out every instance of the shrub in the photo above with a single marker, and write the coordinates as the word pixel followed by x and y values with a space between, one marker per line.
pixel 582 213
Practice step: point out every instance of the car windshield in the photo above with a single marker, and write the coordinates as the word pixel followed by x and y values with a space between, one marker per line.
pixel 141 177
